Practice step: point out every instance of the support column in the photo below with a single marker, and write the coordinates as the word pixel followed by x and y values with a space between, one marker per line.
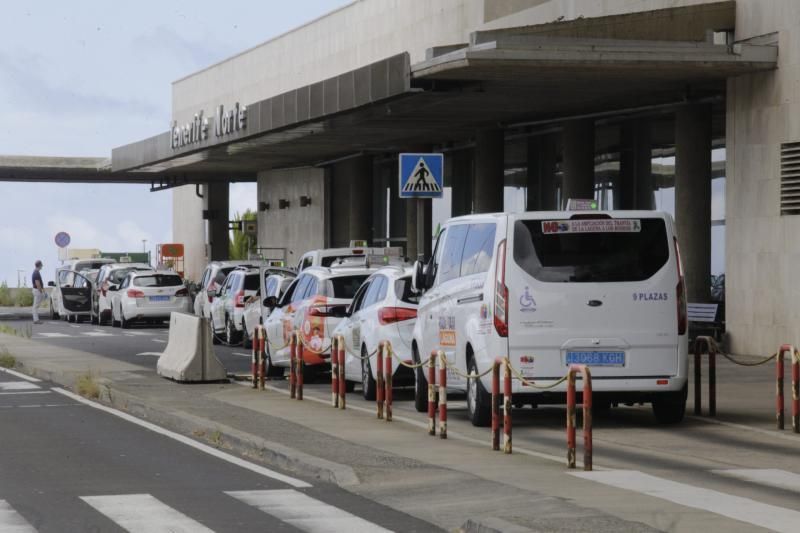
pixel 360 176
pixel 693 197
pixel 634 189
pixel 216 201
pixel 461 182
pixel 578 160
pixel 489 181
pixel 541 173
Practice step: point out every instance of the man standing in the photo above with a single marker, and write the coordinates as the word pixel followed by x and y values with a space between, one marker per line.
pixel 38 291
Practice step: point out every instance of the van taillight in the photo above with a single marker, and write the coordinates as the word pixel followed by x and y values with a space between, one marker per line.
pixel 501 292
pixel 680 290
pixel 182 292
pixel 390 315
pixel 238 300
pixel 133 293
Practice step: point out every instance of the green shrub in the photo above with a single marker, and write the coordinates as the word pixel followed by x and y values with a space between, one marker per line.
pixel 5 295
pixel 23 298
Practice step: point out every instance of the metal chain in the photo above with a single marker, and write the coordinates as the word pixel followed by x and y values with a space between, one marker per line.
pixel 527 383
pixel 354 354
pixel 300 340
pixel 413 366
pixel 458 372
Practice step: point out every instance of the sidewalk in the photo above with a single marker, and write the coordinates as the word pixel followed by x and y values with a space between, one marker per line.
pixel 446 483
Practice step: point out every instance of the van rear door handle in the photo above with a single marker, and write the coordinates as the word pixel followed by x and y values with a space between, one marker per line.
pixel 470 299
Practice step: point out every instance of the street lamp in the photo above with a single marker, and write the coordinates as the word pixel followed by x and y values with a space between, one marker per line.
pixel 144 245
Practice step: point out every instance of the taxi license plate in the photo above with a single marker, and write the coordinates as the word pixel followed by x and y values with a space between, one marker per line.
pixel 595 358
pixel 159 298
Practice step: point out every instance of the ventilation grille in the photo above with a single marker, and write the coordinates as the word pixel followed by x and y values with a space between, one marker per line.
pixel 790 178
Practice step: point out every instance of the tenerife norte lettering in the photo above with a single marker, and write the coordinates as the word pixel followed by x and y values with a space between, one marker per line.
pixel 229 121
pixel 189 133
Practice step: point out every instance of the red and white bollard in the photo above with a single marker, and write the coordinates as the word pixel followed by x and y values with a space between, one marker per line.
pixel 379 398
pixel 796 392
pixel 254 360
pixel 342 380
pixel 432 393
pixel 262 356
pixel 292 370
pixel 587 416
pixel 442 395
pixel 496 404
pixel 335 371
pixel 779 400
pixel 387 382
pixel 507 407
pixel 299 364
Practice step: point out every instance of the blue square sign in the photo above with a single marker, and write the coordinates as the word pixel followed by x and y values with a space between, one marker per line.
pixel 421 175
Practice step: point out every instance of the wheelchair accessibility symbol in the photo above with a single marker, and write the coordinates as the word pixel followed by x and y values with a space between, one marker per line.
pixel 526 301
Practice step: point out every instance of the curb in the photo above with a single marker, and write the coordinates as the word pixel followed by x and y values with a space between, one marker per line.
pixel 219 435
pixel 492 525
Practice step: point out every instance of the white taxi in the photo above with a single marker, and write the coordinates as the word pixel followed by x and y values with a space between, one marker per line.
pixel 148 297
pixel 274 281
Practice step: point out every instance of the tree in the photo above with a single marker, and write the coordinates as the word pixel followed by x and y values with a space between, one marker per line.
pixel 240 243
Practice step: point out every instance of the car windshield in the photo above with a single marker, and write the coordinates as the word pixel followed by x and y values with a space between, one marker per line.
pixel 345 286
pixel 158 280
pixel 117 276
pixel 591 250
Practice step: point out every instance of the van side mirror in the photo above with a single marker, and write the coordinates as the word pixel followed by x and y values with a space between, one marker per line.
pixel 212 293
pixel 113 288
pixel 271 302
pixel 51 283
pixel 418 278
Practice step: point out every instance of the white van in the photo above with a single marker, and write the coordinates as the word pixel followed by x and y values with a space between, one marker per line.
pixel 67 300
pixel 326 257
pixel 548 289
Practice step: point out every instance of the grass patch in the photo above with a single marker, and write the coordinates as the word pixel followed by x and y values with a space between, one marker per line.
pixel 87 387
pixel 25 333
pixel 7 360
pixel 216 438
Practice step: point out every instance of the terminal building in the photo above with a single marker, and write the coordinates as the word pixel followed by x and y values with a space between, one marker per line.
pixel 531 102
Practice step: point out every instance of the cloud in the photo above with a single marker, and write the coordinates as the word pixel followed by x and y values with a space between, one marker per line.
pixel 243 197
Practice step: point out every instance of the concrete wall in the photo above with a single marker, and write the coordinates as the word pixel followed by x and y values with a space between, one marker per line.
pixel 296 228
pixel 762 249
pixel 188 227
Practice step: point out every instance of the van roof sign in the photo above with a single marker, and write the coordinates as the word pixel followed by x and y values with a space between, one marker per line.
pixel 581 204
pixel 598 225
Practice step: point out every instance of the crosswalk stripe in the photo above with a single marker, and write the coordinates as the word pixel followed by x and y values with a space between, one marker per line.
pixel 770 477
pixel 305 512
pixel 97 334
pixel 728 505
pixel 53 335
pixel 17 386
pixel 11 521
pixel 144 513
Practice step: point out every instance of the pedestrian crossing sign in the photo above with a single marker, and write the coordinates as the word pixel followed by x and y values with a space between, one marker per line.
pixel 421 175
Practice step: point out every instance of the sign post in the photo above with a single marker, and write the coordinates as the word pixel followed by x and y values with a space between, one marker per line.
pixel 421 179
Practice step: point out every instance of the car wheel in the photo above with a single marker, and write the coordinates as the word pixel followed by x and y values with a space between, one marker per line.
pixel 272 370
pixel 114 321
pixel 247 343
pixel 368 385
pixel 669 408
pixel 53 314
pixel 420 385
pixel 124 322
pixel 479 401
pixel 94 320
pixel 230 333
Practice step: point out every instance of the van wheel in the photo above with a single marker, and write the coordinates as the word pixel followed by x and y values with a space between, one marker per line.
pixel 669 408
pixel 368 385
pixel 114 321
pixel 420 385
pixel 53 314
pixel 124 322
pixel 247 344
pixel 231 335
pixel 479 402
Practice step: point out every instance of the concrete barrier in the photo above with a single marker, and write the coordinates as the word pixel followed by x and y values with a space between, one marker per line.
pixel 190 355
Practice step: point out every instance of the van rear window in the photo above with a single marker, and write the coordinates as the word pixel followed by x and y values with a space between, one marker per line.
pixel 592 256
pixel 345 286
pixel 157 280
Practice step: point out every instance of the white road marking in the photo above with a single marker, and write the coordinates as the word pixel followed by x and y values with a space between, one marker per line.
pixel 97 334
pixel 139 334
pixel 20 375
pixel 305 512
pixel 154 354
pixel 266 472
pixel 25 392
pixel 771 477
pixel 17 385
pixel 11 521
pixel 771 433
pixel 240 354
pixel 735 507
pixel 144 513
pixel 161 341
pixel 53 335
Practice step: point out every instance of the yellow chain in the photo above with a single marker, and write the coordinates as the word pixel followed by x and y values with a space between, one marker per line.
pixel 527 383
pixel 354 354
pixel 309 348
pixel 274 346
pixel 458 372
pixel 413 366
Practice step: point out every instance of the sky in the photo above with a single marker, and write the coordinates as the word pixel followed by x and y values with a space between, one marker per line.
pixel 82 77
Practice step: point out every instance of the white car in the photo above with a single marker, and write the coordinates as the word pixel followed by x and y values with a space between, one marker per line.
pixel 212 279
pixel 63 285
pixel 110 275
pixel 227 309
pixel 314 304
pixel 383 309
pixel 328 256
pixel 550 289
pixel 148 297
pixel 274 281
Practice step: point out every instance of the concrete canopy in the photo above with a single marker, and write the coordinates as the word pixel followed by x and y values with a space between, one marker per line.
pixel 509 79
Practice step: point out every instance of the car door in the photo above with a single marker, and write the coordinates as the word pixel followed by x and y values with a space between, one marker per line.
pixel 201 293
pixel 217 310
pixel 351 334
pixel 77 299
pixel 287 316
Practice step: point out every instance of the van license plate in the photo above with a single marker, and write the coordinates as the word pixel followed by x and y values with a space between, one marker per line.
pixel 159 298
pixel 596 358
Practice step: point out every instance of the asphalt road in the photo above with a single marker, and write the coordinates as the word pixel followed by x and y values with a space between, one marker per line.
pixel 66 466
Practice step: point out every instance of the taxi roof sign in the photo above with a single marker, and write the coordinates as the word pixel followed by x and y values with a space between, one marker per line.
pixel 581 204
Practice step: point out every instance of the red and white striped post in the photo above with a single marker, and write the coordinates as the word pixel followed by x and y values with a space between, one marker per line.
pixel 387 382
pixel 254 360
pixel 432 394
pixel 335 371
pixel 262 353
pixel 796 391
pixel 379 398
pixel 507 407
pixel 496 404
pixel 587 416
pixel 299 363
pixel 292 372
pixel 779 373
pixel 342 380
pixel 442 395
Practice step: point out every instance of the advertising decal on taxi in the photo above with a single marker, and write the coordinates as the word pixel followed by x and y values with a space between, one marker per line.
pixel 599 225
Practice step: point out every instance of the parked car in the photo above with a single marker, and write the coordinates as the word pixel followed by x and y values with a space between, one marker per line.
pixel 328 256
pixel 109 276
pixel 63 285
pixel 227 308
pixel 148 296
pixel 383 309
pixel 551 289
pixel 212 279
pixel 313 304
pixel 274 281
